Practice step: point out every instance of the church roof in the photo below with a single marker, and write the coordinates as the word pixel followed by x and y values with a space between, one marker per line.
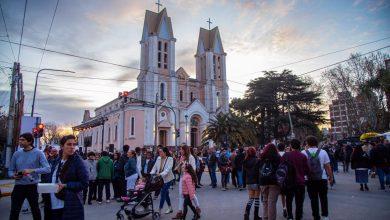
pixel 153 22
pixel 209 40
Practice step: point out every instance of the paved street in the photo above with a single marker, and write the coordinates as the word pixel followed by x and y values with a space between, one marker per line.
pixel 345 202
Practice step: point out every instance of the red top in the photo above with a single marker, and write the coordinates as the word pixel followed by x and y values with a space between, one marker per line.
pixel 299 161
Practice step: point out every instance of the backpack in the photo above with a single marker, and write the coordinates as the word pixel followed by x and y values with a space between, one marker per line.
pixel 314 165
pixel 285 176
pixel 267 170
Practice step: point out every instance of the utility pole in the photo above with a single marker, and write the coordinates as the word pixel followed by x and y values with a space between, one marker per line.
pixel 11 115
pixel 155 123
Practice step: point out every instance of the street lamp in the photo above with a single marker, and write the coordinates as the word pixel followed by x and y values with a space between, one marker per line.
pixel 36 83
pixel 186 116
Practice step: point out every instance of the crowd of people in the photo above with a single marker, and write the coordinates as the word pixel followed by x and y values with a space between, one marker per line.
pixel 277 170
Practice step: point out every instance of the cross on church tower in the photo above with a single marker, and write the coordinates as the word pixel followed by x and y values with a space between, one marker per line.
pixel 209 21
pixel 158 6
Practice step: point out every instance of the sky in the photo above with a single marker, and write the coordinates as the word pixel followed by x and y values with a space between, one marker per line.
pixel 256 35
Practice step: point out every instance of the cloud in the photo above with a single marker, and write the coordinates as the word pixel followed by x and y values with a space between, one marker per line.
pixel 357 2
pixel 185 58
pixel 118 12
pixel 377 5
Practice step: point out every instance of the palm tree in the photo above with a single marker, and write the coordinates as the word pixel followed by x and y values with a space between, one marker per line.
pixel 230 129
pixel 380 82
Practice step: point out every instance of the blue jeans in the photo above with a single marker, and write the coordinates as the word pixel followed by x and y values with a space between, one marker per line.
pixel 239 178
pixel 383 175
pixel 213 176
pixel 165 194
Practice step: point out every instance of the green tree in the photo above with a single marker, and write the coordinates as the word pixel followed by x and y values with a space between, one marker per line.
pixel 230 129
pixel 268 99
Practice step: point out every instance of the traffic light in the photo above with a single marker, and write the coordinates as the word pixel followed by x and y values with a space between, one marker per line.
pixel 38 131
pixel 177 133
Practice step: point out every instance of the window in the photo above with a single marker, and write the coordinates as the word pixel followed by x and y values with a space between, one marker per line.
pixel 132 126
pixel 97 137
pixel 214 67
pixel 162 56
pixel 116 132
pixel 109 134
pixel 217 99
pixel 191 96
pixel 181 95
pixel 162 91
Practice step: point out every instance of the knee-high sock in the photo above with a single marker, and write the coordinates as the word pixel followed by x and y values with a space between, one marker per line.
pixel 257 204
pixel 248 206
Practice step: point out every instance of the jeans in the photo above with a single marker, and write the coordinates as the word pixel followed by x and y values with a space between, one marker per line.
pixel 90 190
pixel 224 179
pixel 131 180
pixel 234 177
pixel 105 184
pixel 165 194
pixel 299 193
pixel 240 178
pixel 116 186
pixel 384 176
pixel 199 176
pixel 318 190
pixel 270 194
pixel 19 194
pixel 213 176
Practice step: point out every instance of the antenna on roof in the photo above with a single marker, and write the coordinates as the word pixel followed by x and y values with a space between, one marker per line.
pixel 158 6
pixel 209 21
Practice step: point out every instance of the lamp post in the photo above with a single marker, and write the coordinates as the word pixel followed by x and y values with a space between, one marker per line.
pixel 36 83
pixel 186 116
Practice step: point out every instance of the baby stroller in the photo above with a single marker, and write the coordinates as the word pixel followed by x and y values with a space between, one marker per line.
pixel 139 203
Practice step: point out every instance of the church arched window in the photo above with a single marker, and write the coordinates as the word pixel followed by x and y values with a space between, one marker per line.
pixel 162 91
pixel 217 99
pixel 215 66
pixel 181 95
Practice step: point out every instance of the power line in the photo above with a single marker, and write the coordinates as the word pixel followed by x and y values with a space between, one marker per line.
pixel 48 34
pixel 6 30
pixel 21 35
pixel 322 55
pixel 334 64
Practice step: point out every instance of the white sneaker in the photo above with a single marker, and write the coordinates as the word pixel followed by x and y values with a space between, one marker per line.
pixel 169 210
pixel 108 201
pixel 325 218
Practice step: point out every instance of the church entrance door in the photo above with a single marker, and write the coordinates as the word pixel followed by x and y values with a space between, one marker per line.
pixel 163 138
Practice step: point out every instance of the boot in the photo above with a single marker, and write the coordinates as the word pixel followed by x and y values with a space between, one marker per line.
pixel 366 187
pixel 246 216
pixel 179 215
pixel 361 187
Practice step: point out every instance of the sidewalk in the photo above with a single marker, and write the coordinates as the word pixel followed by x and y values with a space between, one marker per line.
pixel 6 187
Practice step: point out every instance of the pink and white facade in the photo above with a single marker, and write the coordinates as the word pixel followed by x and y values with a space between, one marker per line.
pixel 194 101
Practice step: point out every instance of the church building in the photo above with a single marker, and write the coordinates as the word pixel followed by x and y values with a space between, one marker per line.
pixel 167 107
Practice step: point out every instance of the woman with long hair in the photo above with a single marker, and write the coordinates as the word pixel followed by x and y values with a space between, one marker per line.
pixel 360 162
pixel 71 176
pixel 251 170
pixel 163 167
pixel 224 168
pixel 269 163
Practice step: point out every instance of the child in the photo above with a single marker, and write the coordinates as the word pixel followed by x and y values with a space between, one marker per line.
pixel 188 189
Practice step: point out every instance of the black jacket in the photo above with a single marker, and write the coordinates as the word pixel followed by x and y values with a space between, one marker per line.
pixel 251 169
pixel 212 160
pixel 264 181
pixel 149 166
pixel 239 161
pixel 380 156
pixel 360 160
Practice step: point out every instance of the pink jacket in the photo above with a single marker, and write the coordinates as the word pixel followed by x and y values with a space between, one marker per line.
pixel 188 187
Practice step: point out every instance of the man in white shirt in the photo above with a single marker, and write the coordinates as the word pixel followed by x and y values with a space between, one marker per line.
pixel 139 161
pixel 320 172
